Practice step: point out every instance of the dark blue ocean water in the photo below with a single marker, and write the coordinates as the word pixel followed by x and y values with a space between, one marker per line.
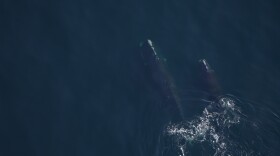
pixel 71 82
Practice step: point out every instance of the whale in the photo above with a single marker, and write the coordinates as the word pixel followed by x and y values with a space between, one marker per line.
pixel 208 81
pixel 161 80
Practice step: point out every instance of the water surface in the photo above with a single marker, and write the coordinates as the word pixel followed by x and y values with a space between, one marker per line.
pixel 72 82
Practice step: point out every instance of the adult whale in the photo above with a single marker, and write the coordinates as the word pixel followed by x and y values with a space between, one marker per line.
pixel 162 81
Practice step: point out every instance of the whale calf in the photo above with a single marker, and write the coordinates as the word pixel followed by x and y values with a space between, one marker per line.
pixel 208 81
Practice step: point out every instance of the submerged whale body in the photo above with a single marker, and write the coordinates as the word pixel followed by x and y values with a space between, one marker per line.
pixel 208 81
pixel 161 79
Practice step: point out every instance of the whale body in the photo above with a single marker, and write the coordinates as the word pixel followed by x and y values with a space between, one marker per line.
pixel 161 79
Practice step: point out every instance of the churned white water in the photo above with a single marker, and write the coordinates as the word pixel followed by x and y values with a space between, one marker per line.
pixel 211 127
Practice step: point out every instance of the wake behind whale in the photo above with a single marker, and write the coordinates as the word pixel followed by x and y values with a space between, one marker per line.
pixel 209 130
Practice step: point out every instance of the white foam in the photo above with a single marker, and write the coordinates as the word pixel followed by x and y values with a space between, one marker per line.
pixel 208 127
